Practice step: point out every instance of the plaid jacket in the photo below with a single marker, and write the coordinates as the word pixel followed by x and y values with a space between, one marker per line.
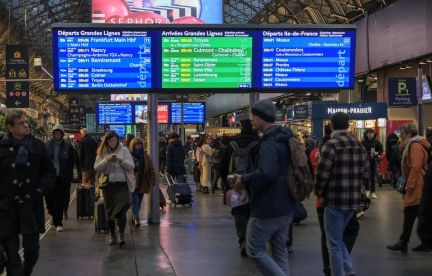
pixel 342 168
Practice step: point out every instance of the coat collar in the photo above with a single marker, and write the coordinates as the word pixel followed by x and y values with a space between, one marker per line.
pixel 30 143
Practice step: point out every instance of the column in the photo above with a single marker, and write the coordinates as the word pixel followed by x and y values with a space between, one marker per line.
pixel 153 150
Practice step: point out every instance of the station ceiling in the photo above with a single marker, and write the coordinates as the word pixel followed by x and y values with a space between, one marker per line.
pixel 29 21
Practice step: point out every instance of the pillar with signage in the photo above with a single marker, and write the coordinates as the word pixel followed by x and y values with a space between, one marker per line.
pixel 17 67
pixel 74 111
pixel 356 111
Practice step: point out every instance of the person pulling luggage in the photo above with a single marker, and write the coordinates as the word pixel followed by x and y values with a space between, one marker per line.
pixel 115 162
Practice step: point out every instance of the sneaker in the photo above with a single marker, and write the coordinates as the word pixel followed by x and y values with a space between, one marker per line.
pixel 398 247
pixel 212 193
pixel 59 229
pixel 374 196
pixel 360 214
pixel 367 193
pixel 422 248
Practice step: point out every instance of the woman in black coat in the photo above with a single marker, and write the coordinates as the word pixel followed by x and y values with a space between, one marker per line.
pixel 175 158
pixel 394 157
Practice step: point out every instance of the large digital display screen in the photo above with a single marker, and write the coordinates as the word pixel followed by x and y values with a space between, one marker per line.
pixel 94 59
pixel 120 129
pixel 141 114
pixel 189 58
pixel 205 61
pixel 157 11
pixel 128 97
pixel 114 113
pixel 307 59
pixel 193 113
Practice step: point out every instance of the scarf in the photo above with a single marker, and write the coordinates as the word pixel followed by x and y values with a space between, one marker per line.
pixel 139 154
pixel 22 156
pixel 407 144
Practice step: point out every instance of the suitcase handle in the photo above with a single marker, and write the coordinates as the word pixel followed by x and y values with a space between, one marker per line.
pixel 168 180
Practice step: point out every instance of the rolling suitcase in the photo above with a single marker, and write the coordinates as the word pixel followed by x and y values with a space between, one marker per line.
pixel 162 201
pixel 191 165
pixel 100 220
pixel 179 193
pixel 85 201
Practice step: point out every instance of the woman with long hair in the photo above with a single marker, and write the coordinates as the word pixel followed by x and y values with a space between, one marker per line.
pixel 114 162
pixel 145 176
pixel 206 165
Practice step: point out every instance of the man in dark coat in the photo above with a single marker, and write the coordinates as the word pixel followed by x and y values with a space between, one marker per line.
pixel 241 214
pixel 87 148
pixel 27 174
pixel 175 158
pixel 63 156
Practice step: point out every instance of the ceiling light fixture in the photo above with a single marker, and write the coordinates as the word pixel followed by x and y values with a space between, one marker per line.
pixel 403 67
pixel 409 65
pixel 423 61
pixel 429 59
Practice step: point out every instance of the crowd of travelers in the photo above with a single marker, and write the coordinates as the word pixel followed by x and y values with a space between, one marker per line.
pixel 265 161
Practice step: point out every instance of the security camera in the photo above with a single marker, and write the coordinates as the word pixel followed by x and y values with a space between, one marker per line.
pixel 54 93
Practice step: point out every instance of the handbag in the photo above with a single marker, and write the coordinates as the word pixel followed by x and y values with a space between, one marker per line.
pixel 401 185
pixel 103 181
pixel 131 180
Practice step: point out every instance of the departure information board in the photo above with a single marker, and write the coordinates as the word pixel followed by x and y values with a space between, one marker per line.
pixel 223 60
pixel 307 59
pixel 193 113
pixel 114 113
pixel 181 59
pixel 95 59
pixel 120 129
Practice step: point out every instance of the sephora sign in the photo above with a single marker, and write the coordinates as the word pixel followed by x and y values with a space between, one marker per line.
pixel 157 11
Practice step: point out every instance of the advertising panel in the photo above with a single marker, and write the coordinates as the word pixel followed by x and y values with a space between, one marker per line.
pixel 17 67
pixel 359 111
pixel 427 84
pixel 301 112
pixel 141 113
pixel 157 11
pixel 402 92
pixel 128 97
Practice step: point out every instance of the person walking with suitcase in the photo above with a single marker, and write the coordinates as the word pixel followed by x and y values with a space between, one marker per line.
pixel 27 174
pixel 63 156
pixel 66 194
pixel 175 158
pixel 145 176
pixel 115 162
pixel 271 207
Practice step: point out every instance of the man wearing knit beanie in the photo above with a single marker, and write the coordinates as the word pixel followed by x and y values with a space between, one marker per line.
pixel 271 207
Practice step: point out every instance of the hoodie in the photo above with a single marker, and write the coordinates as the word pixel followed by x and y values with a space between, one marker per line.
pixel 268 198
pixel 311 144
pixel 62 154
pixel 175 158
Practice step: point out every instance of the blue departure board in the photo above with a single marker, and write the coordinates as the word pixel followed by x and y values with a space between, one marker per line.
pixel 193 113
pixel 114 113
pixel 96 59
pixel 120 129
pixel 308 59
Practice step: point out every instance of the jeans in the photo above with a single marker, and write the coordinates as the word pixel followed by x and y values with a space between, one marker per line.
pixel 241 217
pixel 215 180
pixel 371 181
pixel 335 223
pixel 55 201
pixel 349 236
pixel 261 231
pixel 14 266
pixel 410 214
pixel 137 199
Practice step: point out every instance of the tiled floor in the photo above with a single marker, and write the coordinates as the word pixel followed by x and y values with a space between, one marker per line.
pixel 201 241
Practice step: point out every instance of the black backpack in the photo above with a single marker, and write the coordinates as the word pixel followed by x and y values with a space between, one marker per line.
pixel 396 154
pixel 241 159
pixel 162 152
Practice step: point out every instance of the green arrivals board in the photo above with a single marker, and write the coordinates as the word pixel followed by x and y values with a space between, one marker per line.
pixel 206 62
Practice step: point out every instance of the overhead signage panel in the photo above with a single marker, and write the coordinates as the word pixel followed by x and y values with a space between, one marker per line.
pixel 193 113
pixel 17 67
pixel 307 59
pixel 93 59
pixel 182 58
pixel 402 92
pixel 114 113
pixel 216 59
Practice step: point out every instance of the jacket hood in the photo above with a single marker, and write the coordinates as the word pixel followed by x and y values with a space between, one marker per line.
pixel 425 144
pixel 177 143
pixel 279 134
pixel 392 142
pixel 58 127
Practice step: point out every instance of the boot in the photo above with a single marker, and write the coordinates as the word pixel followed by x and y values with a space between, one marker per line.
pixel 243 249
pixel 400 246
pixel 121 239
pixel 422 248
pixel 113 239
pixel 65 214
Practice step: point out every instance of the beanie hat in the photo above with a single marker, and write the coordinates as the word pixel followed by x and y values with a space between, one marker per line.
pixel 327 130
pixel 265 109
